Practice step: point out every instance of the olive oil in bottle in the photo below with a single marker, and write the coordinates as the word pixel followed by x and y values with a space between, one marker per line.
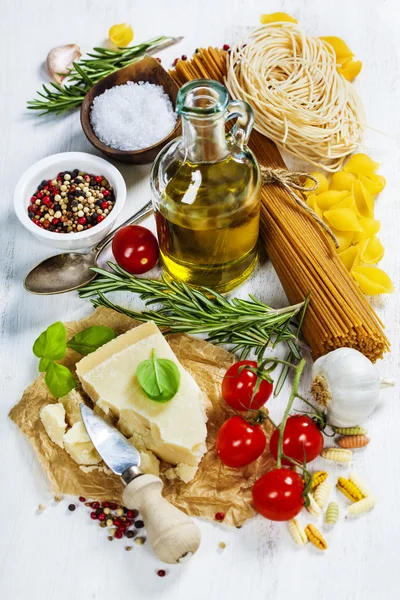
pixel 207 189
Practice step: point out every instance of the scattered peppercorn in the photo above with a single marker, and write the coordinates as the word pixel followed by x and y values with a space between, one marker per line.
pixel 161 573
pixel 183 57
pixel 118 534
pixel 130 534
pixel 226 47
pixel 93 515
pixel 82 499
pixel 58 498
pixel 128 548
pixel 71 507
pixel 110 537
pixel 140 541
pixel 139 524
pixel 175 62
pixel 222 545
pixel 132 514
pixel 102 524
pixel 219 516
pixel 42 507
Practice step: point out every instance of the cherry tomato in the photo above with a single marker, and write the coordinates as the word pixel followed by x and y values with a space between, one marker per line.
pixel 277 495
pixel 237 388
pixel 135 249
pixel 301 440
pixel 239 443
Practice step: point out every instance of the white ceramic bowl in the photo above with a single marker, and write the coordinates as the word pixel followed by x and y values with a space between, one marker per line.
pixel 48 168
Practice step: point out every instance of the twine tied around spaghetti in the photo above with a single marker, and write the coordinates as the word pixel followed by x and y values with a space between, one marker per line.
pixel 290 181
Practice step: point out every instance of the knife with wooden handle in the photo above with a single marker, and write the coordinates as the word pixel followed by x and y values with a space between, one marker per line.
pixel 173 535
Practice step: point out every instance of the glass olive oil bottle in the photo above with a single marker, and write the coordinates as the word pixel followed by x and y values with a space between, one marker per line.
pixel 206 188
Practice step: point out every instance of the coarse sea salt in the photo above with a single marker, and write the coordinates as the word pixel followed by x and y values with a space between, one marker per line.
pixel 132 116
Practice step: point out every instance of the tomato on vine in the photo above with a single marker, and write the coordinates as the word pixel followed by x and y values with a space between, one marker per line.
pixel 278 495
pixel 239 442
pixel 238 386
pixel 302 440
pixel 135 249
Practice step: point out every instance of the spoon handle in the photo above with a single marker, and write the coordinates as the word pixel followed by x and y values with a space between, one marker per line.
pixel 145 210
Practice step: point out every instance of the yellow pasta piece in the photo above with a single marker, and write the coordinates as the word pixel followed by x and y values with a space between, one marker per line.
pixel 348 202
pixel 369 227
pixel 371 250
pixel 356 430
pixel 373 183
pixel 344 238
pixel 323 184
pixel 359 483
pixel 312 203
pixel 297 532
pixel 344 219
pixel 317 478
pixel 322 492
pixel 349 489
pixel 328 199
pixel 350 68
pixel 337 454
pixel 332 513
pixel 313 507
pixel 363 199
pixel 340 47
pixel 277 17
pixel 342 181
pixel 372 280
pixel 315 537
pixel 361 164
pixel 350 257
pixel 360 507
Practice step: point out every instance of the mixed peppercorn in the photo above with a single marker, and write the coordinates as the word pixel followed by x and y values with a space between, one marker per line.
pixel 72 202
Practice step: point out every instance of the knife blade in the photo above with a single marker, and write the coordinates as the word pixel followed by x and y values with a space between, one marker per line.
pixel 116 451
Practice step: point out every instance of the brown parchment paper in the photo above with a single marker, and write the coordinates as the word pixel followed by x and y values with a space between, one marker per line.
pixel 215 488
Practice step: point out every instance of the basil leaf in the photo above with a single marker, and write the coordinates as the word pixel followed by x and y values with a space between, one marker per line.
pixel 59 380
pixel 44 364
pixel 159 378
pixel 52 343
pixel 90 339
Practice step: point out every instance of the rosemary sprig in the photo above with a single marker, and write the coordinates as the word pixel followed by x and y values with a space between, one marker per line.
pixel 86 72
pixel 244 324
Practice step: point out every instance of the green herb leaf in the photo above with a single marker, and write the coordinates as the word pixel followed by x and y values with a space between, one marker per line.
pixel 52 343
pixel 44 364
pixel 159 378
pixel 90 339
pixel 59 380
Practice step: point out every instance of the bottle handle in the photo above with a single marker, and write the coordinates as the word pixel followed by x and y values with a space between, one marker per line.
pixel 242 111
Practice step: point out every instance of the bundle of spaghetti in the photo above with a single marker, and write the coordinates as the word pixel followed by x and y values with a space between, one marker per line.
pixel 300 100
pixel 303 256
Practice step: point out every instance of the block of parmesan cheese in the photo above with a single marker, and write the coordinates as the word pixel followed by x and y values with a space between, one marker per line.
pixel 175 430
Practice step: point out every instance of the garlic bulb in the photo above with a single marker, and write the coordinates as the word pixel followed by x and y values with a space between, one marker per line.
pixel 60 59
pixel 347 384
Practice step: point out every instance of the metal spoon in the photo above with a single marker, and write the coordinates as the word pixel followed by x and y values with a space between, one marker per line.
pixel 69 271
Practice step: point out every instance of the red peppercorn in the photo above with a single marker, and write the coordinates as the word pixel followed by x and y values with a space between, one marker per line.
pixel 219 516
pixel 161 573
pixel 40 194
pixel 46 200
pixel 104 205
pixel 226 47
pixel 106 193
pixel 100 218
pixel 46 224
pixel 102 516
pixel 117 522
pixel 55 222
pixel 113 506
pixel 175 62
pixel 159 59
pixel 33 199
pixel 45 187
pixel 81 498
pixel 118 534
pixel 31 208
pixel 98 178
pixel 82 220
pixel 95 505
pixel 105 504
pixel 183 57
pixel 93 516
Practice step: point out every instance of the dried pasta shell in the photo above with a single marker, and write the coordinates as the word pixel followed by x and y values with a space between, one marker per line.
pixel 328 199
pixel 342 181
pixel 340 47
pixel 322 492
pixel 350 430
pixel 369 227
pixel 316 537
pixel 360 507
pixel 349 489
pixel 297 532
pixel 337 454
pixel 277 17
pixel 361 164
pixel 372 280
pixel 349 202
pixel 317 478
pixel 332 513
pixel 353 441
pixel 350 68
pixel 313 507
pixel 363 199
pixel 344 238
pixel 312 203
pixel 344 219
pixel 350 257
pixel 371 250
pixel 373 183
pixel 323 184
pixel 359 483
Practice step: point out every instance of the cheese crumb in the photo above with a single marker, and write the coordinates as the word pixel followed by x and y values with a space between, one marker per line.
pixel 53 419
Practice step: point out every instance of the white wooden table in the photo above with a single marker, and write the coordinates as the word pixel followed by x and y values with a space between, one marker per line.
pixel 57 555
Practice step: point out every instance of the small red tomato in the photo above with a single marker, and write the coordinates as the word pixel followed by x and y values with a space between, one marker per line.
pixel 278 495
pixel 239 443
pixel 302 440
pixel 237 388
pixel 135 249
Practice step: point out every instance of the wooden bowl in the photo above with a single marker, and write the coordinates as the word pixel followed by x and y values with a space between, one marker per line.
pixel 147 69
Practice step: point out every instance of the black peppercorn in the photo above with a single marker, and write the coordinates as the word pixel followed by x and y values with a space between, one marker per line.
pixel 71 507
pixel 139 524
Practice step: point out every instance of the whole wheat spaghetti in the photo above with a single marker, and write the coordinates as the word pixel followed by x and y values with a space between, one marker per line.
pixel 303 256
pixel 300 100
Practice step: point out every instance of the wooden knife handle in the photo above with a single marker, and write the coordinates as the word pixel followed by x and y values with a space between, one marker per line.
pixel 172 534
